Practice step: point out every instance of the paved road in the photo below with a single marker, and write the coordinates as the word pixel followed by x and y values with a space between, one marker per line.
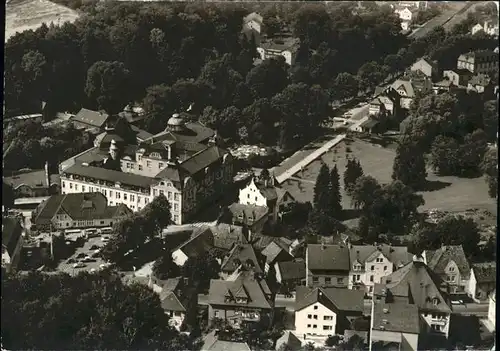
pixel 309 158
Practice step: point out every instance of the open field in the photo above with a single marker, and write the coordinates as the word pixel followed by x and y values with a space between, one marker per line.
pixel 24 15
pixel 453 9
pixel 463 15
pixel 450 194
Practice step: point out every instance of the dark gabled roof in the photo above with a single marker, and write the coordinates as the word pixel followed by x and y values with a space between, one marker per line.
pixel 260 242
pixel 228 235
pixel 281 44
pixel 141 134
pixel 33 179
pixel 336 299
pixel 91 118
pixel 407 86
pixel 199 242
pixel 254 16
pixel 244 212
pixel 79 206
pixel 290 340
pixel 485 272
pixel 328 257
pixel 292 270
pixel 419 285
pixel 110 175
pixel 398 255
pixel 255 289
pixel 11 233
pixel 437 260
pixel 243 253
pixel 396 317
pixel 212 343
pixel 202 159
pixel 275 252
pixel 170 302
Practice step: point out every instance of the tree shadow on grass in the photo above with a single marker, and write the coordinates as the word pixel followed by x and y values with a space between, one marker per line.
pixel 434 185
pixel 350 213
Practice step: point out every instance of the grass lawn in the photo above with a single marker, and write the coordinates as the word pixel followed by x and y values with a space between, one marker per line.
pixel 451 194
pixel 23 15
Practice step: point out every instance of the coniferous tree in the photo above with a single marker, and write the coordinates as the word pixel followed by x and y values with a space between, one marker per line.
pixel 352 172
pixel 321 199
pixel 335 196
pixel 409 166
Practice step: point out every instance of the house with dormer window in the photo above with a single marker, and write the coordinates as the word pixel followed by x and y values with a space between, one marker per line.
pixel 369 263
pixel 242 297
pixel 416 284
pixel 451 264
pixel 242 256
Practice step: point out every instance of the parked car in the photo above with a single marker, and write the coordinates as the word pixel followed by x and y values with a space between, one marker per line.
pixel 80 255
pixel 91 233
pixel 105 238
pixel 71 260
pixel 79 265
pixel 107 230
pixel 95 247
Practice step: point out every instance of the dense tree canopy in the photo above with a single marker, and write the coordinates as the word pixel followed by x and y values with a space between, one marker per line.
pixel 133 232
pixel 89 311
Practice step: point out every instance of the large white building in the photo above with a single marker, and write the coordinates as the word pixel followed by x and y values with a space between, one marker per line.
pixel 370 263
pixel 266 193
pixel 185 163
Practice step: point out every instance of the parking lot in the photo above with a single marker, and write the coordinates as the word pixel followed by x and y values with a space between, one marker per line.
pixel 85 258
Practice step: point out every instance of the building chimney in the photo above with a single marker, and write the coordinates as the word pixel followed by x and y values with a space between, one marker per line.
pixel 47 174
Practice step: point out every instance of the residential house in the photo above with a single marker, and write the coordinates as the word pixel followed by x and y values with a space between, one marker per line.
pixel 427 67
pixel 370 263
pixel 12 243
pixel 226 236
pixel 201 240
pixel 260 242
pixel 413 4
pixel 451 265
pixel 323 312
pixel 290 274
pixel 492 308
pixel 214 341
pixel 406 15
pixel 367 125
pixel 406 92
pixel 266 193
pixel 481 61
pixel 242 256
pixel 416 284
pixel 285 47
pixel 33 183
pixel 243 297
pixel 459 77
pixel 176 301
pixel 443 86
pixel 488 27
pixel 396 324
pixel 481 84
pixel 185 163
pixel 89 119
pixel 327 265
pixel 275 252
pixel 133 114
pixel 252 216
pixel 477 28
pixel 79 210
pixel 380 105
pixel 253 21
pixel 482 280
pixel 288 341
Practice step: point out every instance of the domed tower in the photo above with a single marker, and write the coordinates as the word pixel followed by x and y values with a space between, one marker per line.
pixel 175 123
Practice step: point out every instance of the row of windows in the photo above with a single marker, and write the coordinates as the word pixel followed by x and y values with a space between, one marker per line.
pixel 325 327
pixel 108 193
pixel 169 194
pixel 372 268
pixel 328 280
pixel 315 316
